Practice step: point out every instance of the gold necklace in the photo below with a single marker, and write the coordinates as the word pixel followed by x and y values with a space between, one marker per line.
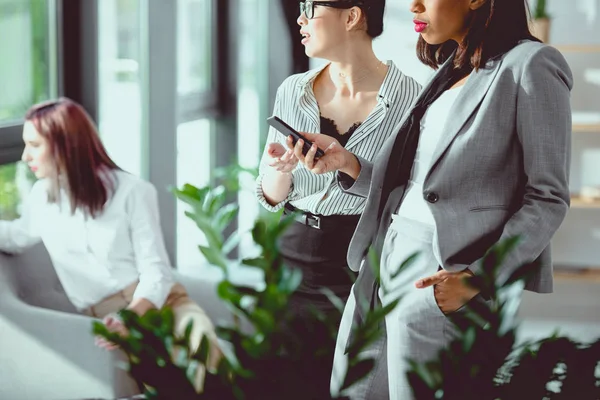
pixel 343 76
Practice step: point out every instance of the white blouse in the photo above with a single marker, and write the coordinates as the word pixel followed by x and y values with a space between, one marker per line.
pixel 95 258
pixel 433 123
pixel 297 105
pixel 413 205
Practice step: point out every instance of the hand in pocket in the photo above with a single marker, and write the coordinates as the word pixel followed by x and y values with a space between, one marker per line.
pixel 449 289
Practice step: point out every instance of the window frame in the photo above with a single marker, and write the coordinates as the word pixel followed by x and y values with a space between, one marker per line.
pixel 200 104
pixel 76 73
pixel 11 143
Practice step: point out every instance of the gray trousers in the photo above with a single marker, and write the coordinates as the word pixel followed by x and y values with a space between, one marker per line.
pixel 375 385
pixel 416 329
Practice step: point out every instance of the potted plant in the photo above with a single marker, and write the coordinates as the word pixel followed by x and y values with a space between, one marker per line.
pixel 485 361
pixel 540 22
pixel 260 363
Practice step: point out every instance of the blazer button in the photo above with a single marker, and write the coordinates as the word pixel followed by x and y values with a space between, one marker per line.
pixel 432 197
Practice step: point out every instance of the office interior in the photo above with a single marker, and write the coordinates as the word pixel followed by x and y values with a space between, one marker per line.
pixel 180 90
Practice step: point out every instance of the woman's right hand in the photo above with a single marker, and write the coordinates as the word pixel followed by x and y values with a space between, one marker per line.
pixel 336 157
pixel 282 160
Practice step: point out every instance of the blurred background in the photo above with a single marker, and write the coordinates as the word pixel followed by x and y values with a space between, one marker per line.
pixel 180 88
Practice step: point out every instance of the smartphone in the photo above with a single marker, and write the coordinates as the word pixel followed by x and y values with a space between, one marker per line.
pixel 287 130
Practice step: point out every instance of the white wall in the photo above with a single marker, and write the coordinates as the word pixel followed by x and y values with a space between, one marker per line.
pixel 574 21
pixel 576 31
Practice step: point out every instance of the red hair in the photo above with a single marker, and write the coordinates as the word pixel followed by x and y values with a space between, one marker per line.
pixel 78 154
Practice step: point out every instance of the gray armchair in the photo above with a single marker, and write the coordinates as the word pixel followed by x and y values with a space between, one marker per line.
pixel 47 349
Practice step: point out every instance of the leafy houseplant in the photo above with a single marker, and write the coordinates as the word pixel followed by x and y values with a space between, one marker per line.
pixel 484 362
pixel 540 23
pixel 259 363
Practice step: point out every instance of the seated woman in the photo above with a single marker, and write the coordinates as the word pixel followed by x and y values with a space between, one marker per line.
pixel 99 224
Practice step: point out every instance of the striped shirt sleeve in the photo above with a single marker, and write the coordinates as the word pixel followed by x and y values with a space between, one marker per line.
pixel 272 137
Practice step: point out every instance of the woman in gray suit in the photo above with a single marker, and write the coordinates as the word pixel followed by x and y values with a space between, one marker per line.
pixel 482 156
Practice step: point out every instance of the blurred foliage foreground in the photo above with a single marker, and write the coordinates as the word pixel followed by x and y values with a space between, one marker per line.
pixel 483 362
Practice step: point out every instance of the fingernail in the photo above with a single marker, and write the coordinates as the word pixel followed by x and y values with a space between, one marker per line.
pixel 419 284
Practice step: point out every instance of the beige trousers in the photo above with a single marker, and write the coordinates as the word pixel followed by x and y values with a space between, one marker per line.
pixel 184 310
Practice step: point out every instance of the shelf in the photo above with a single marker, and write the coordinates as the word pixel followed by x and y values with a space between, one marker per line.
pixel 577 48
pixel 577 274
pixel 586 128
pixel 586 121
pixel 578 202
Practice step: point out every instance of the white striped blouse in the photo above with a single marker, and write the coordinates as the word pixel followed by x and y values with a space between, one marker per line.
pixel 296 104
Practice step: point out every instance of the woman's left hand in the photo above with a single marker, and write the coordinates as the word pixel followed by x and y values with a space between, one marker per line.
pixel 449 288
pixel 114 324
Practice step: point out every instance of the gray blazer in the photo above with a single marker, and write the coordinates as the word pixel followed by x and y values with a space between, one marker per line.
pixel 501 169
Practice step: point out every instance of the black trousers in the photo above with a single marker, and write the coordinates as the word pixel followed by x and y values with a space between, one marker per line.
pixel 321 256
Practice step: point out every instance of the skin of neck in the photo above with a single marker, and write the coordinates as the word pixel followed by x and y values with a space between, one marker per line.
pixel 356 60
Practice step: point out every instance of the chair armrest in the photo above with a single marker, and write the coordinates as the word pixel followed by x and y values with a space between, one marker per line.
pixel 204 292
pixel 51 354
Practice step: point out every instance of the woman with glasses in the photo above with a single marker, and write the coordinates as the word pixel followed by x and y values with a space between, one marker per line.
pixel 357 100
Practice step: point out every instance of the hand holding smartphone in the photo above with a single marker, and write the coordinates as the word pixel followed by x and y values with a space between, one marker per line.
pixel 287 130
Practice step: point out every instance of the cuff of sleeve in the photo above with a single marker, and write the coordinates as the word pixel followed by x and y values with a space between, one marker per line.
pixel 345 181
pixel 476 270
pixel 263 201
pixel 360 186
pixel 154 292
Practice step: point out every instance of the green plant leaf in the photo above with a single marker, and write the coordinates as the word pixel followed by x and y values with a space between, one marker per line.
pixel 357 372
pixel 214 256
pixel 231 243
pixel 408 262
pixel 213 236
pixel 258 262
pixel 293 279
pixel 263 320
pixel 336 301
pixel 224 215
pixel 215 200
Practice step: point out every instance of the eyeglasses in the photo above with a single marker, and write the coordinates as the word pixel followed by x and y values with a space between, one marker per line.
pixel 308 7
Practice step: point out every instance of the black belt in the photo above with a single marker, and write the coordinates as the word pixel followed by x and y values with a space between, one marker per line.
pixel 320 221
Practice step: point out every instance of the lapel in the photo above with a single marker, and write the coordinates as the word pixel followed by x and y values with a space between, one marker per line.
pixel 469 98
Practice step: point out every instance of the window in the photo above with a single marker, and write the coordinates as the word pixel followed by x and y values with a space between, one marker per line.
pixel 193 167
pixel 196 98
pixel 27 70
pixel 252 108
pixel 15 184
pixel 194 43
pixel 196 58
pixel 120 90
pixel 28 75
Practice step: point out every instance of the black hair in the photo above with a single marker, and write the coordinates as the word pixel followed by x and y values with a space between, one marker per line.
pixel 374 10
